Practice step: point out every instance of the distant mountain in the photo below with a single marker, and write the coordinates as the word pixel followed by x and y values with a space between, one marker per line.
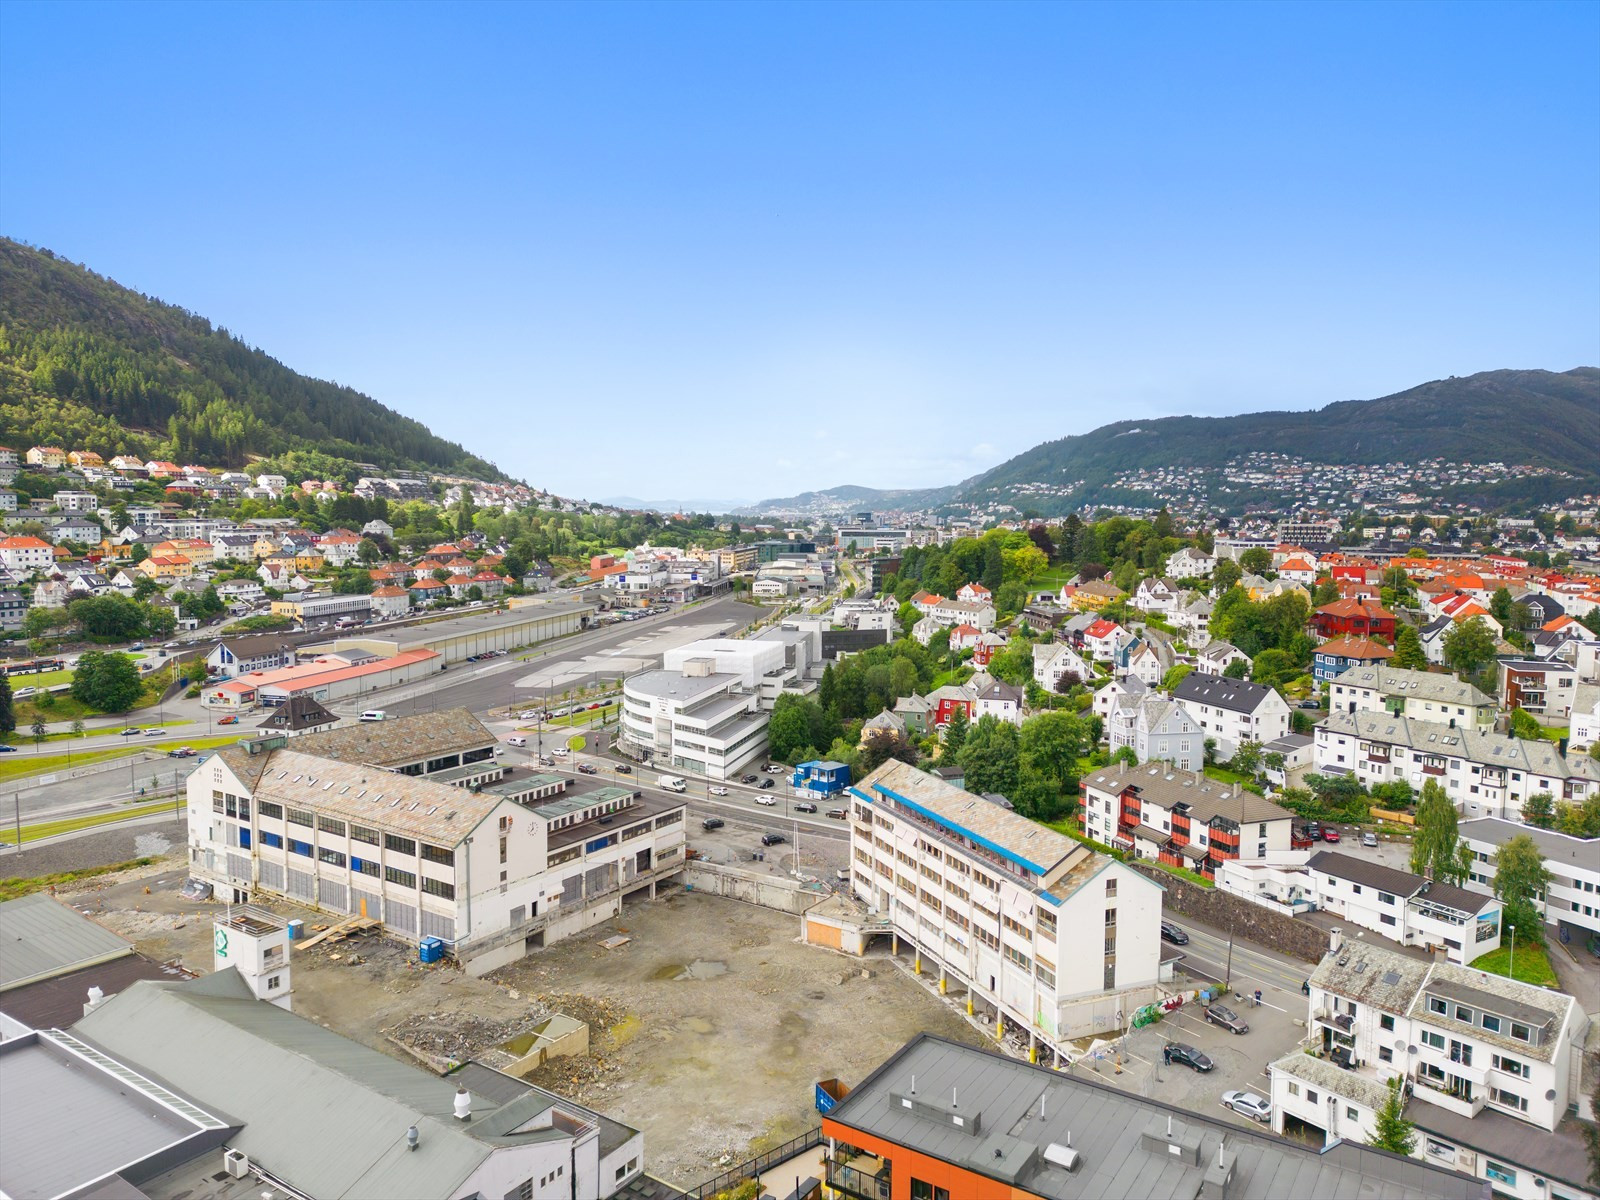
pixel 672 506
pixel 1540 418
pixel 840 499
pixel 87 363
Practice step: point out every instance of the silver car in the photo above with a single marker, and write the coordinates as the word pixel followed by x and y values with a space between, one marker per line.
pixel 1248 1104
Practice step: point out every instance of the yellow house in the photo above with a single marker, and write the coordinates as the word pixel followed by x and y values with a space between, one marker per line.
pixel 85 458
pixel 264 548
pixel 47 456
pixel 308 562
pixel 1096 595
pixel 199 553
pixel 166 566
pixel 1277 587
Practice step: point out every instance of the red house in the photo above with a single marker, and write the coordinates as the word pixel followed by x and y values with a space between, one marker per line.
pixel 1358 618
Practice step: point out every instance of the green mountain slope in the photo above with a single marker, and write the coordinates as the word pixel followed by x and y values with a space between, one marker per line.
pixel 850 496
pixel 1534 417
pixel 86 363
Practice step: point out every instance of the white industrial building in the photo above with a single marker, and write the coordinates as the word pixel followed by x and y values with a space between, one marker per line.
pixel 1061 942
pixel 414 822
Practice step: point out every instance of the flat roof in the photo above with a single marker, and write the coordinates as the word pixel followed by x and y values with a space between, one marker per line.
pixel 647 807
pixel 995 1116
pixel 674 685
pixel 57 1002
pixel 1556 847
pixel 1561 1154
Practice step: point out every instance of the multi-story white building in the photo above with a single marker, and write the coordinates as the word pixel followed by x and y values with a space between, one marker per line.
pixel 1060 941
pixel 1486 774
pixel 23 555
pixel 1487 1062
pixel 699 718
pixel 1405 908
pixel 1190 563
pixel 1181 817
pixel 1233 710
pixel 413 822
pixel 1572 899
pixel 1420 695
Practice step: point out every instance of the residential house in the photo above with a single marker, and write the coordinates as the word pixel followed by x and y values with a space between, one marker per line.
pixel 390 601
pixel 1420 695
pixel 80 531
pixel 127 464
pixel 1181 817
pixel 1216 656
pixel 980 614
pixel 1298 569
pixel 233 547
pixel 1405 908
pixel 161 469
pixel 1542 688
pixel 1148 659
pixel 1055 661
pixel 8 500
pixel 1359 618
pixel 1485 774
pixel 1585 731
pixel 52 458
pixel 13 609
pixel 236 656
pixel 68 501
pixel 24 555
pixel 1194 618
pixel 339 547
pixel 427 591
pixel 1334 658
pixel 884 722
pixel 998 699
pixel 974 593
pixel 1156 728
pixel 1233 711
pixel 1190 563
pixel 916 712
pixel 944 701
pixel 1156 595
pixel 166 566
pixel 926 602
pixel 1095 595
pixel 240 591
pixel 1103 639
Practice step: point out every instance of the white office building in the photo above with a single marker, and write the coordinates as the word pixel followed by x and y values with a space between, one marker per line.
pixel 413 822
pixel 1059 941
pixel 697 717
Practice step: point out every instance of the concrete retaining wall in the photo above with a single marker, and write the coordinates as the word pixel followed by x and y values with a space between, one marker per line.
pixel 1250 921
pixel 769 891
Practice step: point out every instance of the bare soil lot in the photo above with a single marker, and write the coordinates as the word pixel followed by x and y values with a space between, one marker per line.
pixel 708 1030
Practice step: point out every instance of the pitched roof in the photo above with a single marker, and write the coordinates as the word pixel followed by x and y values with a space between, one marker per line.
pixel 1362 649
pixel 1422 685
pixel 1366 873
pixel 1537 757
pixel 1368 608
pixel 1206 799
pixel 44 937
pixel 1235 695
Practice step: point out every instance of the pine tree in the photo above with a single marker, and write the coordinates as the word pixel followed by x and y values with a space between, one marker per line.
pixel 1394 1133
pixel 8 719
pixel 1408 651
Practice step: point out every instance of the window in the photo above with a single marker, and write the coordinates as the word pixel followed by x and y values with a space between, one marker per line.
pixel 363 833
pixel 1386 1022
pixel 1510 1066
pixel 524 1190
pixel 332 857
pixel 1491 1022
pixel 1385 1054
pixel 1436 1040
pixel 1521 1032
pixel 300 816
pixel 1111 917
pixel 1356 888
pixel 299 847
pixel 1111 887
pixel 1294 1089
pixel 1386 918
pixel 1436 1005
pixel 1463 1013
pixel 329 825
pixel 403 878
pixel 1311 1096
pixel 437 854
pixel 437 887
pixel 1497 1171
pixel 927 1191
pixel 275 840
pixel 274 983
pixel 365 865
pixel 268 809
pixel 1351 1113
pixel 1386 897
pixel 400 845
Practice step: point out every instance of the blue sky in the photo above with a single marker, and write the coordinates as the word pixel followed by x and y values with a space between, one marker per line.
pixel 743 250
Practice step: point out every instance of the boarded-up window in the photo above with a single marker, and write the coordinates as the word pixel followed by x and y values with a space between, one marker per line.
pixel 572 889
pixel 272 875
pixel 438 925
pixel 332 895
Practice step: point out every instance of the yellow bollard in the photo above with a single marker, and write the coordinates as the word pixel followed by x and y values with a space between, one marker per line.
pixel 1033 1052
pixel 1119 1064
pixel 916 964
pixel 999 1030
pixel 969 1004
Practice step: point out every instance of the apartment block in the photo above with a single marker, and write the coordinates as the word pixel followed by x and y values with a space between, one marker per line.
pixel 1419 695
pixel 1572 900
pixel 1233 711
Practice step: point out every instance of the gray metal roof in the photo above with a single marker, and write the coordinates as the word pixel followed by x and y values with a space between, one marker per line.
pixel 1370 874
pixel 995 1116
pixel 1556 847
pixel 41 937
pixel 1235 695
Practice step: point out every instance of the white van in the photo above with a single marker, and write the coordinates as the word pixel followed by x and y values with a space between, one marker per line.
pixel 517 739
pixel 673 783
pixel 374 714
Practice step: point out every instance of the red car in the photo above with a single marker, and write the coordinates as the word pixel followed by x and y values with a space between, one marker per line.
pixel 1330 835
pixel 227 720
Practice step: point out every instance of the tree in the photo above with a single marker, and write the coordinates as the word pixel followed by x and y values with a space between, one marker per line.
pixel 991 757
pixel 1237 669
pixel 1052 743
pixel 107 682
pixel 1225 574
pixel 1247 759
pixel 1538 810
pixel 77 729
pixel 1433 850
pixel 367 552
pixel 38 730
pixel 1524 726
pixel 1392 1131
pixel 1257 560
pixel 8 717
pixel 884 744
pixel 1408 652
pixel 1176 675
pixel 1500 607
pixel 1520 878
pixel 1469 647
pixel 955 734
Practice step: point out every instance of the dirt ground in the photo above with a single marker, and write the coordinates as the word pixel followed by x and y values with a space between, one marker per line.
pixel 708 1028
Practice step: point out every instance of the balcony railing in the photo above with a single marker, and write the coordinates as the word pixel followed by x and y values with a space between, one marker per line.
pixel 1446 1098
pixel 859 1183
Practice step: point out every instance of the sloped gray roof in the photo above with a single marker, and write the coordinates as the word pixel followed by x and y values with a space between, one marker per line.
pixel 41 937
pixel 1420 685
pixel 1480 746
pixel 1235 695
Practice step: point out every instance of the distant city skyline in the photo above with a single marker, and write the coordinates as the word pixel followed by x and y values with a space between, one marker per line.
pixel 742 252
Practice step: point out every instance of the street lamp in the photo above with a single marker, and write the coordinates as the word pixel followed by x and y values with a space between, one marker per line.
pixel 1511 963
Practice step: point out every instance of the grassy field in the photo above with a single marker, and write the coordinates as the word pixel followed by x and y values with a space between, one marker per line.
pixel 45 679
pixel 587 717
pixel 10 889
pixel 20 765
pixel 1531 964
pixel 46 829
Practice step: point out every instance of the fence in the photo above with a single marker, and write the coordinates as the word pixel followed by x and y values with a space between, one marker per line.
pixel 761 1162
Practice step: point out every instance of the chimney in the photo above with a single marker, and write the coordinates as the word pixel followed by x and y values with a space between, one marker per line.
pixel 1335 940
pixel 96 999
pixel 463 1105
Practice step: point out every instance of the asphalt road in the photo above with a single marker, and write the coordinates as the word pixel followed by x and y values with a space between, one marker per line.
pixel 1277 975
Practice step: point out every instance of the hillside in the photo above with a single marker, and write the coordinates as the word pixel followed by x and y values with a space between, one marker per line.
pixel 87 363
pixel 1534 417
pixel 837 499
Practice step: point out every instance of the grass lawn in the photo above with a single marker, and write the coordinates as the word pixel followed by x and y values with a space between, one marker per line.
pixel 10 889
pixel 44 679
pixel 587 717
pixel 1532 966
pixel 577 742
pixel 45 829
pixel 20 765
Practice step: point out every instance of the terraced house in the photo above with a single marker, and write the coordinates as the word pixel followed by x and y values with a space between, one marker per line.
pixel 415 823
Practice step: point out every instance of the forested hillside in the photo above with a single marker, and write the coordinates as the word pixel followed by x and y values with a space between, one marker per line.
pixel 86 363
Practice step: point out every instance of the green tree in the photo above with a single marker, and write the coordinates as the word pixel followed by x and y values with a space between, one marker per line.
pixel 1538 810
pixel 1237 669
pixel 1433 849
pixel 1392 1131
pixel 1408 651
pixel 1469 647
pixel 1520 878
pixel 8 716
pixel 991 757
pixel 77 729
pixel 884 744
pixel 38 730
pixel 1500 607
pixel 955 735
pixel 1052 743
pixel 1225 575
pixel 106 682
pixel 1176 675
pixel 1257 560
pixel 1524 726
pixel 1247 759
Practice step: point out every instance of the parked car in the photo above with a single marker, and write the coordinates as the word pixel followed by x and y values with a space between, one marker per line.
pixel 230 719
pixel 1308 704
pixel 773 839
pixel 775 768
pixel 7 749
pixel 711 823
pixel 1173 934
pixel 1227 1018
pixel 131 732
pixel 154 732
pixel 805 808
pixel 717 790
pixel 23 693
pixel 838 814
pixel 1248 1104
pixel 766 800
pixel 1369 840
pixel 1188 1056
pixel 1330 835
pixel 181 752
pixel 765 784
pixel 748 778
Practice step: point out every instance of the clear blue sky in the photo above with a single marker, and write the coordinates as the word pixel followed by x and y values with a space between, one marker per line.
pixel 741 250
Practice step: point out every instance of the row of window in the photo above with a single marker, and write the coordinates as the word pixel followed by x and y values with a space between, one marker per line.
pixel 1489 1022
